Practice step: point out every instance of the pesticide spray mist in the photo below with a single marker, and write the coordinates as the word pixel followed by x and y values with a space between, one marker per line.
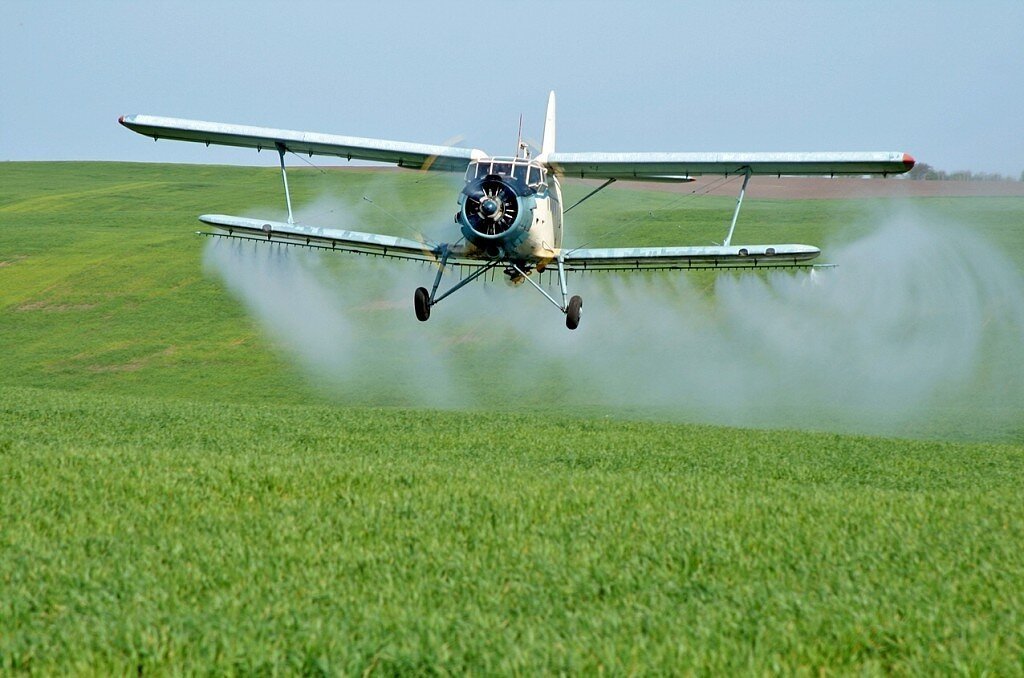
pixel 919 331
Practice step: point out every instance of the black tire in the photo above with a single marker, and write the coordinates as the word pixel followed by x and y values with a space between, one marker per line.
pixel 422 302
pixel 572 314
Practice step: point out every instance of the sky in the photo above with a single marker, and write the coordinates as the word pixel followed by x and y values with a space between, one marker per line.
pixel 939 80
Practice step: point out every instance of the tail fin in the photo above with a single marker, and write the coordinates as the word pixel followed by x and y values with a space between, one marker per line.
pixel 547 145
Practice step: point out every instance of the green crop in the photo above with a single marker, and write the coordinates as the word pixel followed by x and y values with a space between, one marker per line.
pixel 176 496
pixel 151 534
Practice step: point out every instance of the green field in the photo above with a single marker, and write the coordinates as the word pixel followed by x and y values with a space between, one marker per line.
pixel 180 493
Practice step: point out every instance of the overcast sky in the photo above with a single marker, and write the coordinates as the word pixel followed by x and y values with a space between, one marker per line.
pixel 943 81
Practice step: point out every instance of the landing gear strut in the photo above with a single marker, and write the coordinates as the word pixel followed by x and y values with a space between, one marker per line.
pixel 572 308
pixel 423 299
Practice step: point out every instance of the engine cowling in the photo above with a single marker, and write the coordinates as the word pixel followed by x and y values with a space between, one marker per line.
pixel 496 212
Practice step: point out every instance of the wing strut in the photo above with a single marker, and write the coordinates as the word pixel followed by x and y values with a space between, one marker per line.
pixel 739 202
pixel 281 149
pixel 604 185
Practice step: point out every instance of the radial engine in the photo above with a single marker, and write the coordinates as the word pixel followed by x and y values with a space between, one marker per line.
pixel 496 212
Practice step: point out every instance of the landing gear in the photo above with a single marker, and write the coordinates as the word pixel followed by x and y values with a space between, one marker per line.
pixel 424 299
pixel 517 272
pixel 422 303
pixel 572 313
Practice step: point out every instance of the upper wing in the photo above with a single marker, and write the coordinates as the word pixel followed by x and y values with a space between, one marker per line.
pixel 648 166
pixel 650 258
pixel 416 156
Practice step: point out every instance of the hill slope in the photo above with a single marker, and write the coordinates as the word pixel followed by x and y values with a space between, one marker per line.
pixel 103 287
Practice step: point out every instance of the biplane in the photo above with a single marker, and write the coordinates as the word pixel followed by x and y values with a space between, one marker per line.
pixel 510 210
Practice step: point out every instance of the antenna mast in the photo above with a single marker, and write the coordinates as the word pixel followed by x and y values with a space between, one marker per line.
pixel 519 141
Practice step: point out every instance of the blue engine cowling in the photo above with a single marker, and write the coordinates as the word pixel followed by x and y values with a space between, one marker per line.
pixel 496 213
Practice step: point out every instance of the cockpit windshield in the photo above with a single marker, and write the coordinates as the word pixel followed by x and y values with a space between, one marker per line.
pixel 532 174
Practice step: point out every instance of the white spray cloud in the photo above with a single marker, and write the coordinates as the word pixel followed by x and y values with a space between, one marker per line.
pixel 918 331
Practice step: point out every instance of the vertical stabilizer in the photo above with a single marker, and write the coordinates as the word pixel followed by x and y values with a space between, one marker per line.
pixel 548 144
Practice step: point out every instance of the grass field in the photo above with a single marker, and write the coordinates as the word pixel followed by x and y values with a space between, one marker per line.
pixel 178 495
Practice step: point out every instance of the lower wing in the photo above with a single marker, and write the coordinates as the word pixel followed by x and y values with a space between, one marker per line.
pixel 608 259
pixel 340 240
pixel 654 258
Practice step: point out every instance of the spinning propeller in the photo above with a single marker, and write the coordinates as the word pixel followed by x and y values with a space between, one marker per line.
pixel 491 206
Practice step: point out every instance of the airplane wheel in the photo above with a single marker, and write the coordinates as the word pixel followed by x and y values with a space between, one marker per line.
pixel 422 303
pixel 572 314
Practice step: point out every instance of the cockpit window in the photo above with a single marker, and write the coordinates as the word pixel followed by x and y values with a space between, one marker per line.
pixel 521 169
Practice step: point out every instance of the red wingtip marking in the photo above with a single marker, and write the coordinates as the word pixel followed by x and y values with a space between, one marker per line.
pixel 908 161
pixel 121 119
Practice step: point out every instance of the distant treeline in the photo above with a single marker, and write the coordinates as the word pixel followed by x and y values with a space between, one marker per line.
pixel 923 170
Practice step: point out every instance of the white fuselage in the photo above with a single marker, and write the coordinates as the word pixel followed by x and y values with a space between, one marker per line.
pixel 545 238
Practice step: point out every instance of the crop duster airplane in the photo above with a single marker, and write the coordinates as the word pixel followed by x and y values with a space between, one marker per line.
pixel 511 213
